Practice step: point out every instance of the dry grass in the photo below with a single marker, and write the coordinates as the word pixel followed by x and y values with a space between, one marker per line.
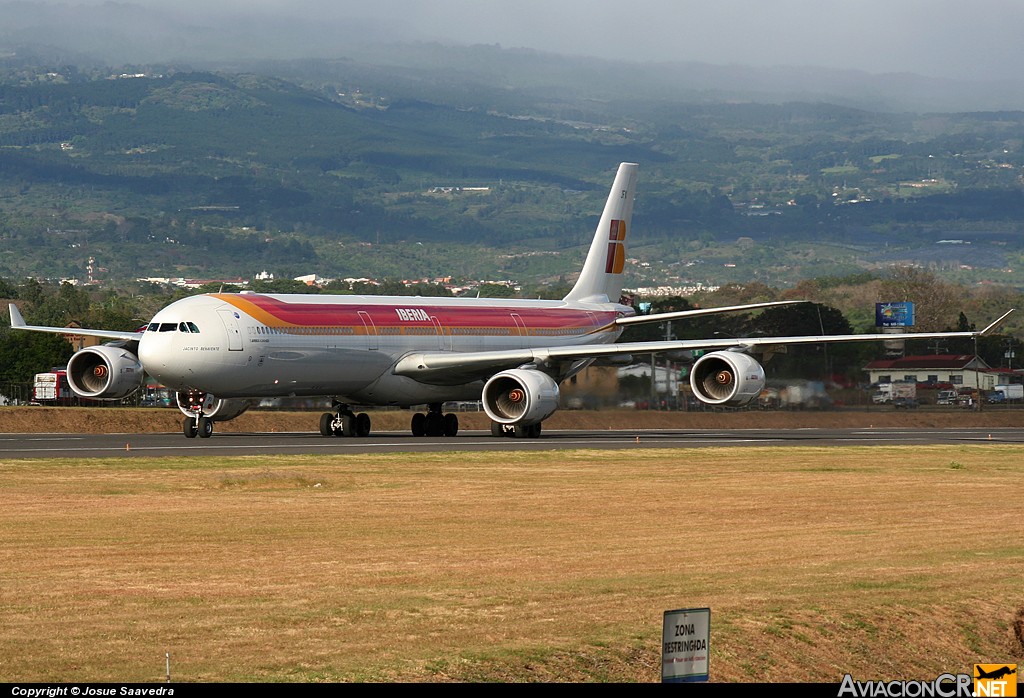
pixel 883 562
pixel 80 420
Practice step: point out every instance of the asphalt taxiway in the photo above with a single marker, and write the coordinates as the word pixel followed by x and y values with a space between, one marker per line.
pixel 16 446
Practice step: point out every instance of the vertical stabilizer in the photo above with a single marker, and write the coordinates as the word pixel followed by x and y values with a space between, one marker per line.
pixel 601 278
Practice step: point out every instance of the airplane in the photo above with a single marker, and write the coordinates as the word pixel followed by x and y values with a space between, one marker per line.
pixel 222 351
pixel 994 674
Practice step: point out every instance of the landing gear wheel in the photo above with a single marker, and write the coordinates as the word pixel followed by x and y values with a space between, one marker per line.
pixel 189 428
pixel 362 424
pixel 205 427
pixel 419 424
pixel 497 430
pixel 327 424
pixel 528 432
pixel 451 424
pixel 348 425
pixel 435 424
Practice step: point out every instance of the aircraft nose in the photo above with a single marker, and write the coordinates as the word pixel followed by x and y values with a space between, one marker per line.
pixel 160 360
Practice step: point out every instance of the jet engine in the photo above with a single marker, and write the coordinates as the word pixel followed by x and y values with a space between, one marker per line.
pixel 727 378
pixel 520 396
pixel 105 373
pixel 213 408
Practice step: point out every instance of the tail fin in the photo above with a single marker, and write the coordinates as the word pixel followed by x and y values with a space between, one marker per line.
pixel 601 278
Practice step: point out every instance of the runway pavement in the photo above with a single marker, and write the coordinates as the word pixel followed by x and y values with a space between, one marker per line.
pixel 16 446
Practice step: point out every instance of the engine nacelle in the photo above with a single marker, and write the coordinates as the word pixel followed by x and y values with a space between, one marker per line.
pixel 212 407
pixel 520 396
pixel 105 373
pixel 727 378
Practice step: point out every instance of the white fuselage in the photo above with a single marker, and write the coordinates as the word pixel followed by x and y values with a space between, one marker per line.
pixel 250 345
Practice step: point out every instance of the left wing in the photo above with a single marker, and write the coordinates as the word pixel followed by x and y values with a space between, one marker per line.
pixel 449 368
pixel 18 323
pixel 696 312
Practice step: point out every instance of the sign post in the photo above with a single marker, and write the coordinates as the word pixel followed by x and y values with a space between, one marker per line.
pixel 684 646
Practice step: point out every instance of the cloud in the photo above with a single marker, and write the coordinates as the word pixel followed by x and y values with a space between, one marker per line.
pixel 941 38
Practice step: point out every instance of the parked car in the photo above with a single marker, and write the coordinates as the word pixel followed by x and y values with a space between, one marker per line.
pixel 904 403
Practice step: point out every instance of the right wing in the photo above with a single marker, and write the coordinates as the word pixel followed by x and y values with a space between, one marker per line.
pixel 18 323
pixel 452 368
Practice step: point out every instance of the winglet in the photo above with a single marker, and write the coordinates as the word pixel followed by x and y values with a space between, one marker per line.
pixel 991 328
pixel 16 319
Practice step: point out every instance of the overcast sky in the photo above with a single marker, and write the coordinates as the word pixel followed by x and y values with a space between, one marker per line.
pixel 974 39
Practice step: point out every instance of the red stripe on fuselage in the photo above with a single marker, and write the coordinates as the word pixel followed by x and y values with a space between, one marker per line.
pixel 277 313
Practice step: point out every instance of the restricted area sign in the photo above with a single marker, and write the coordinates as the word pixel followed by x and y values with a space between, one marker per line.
pixel 684 646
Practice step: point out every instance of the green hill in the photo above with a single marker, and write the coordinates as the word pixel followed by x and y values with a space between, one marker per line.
pixel 342 168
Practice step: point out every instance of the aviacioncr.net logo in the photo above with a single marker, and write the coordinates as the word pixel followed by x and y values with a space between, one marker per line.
pixel 944 686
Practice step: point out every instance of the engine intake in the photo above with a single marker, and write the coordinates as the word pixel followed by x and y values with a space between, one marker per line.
pixel 520 396
pixel 105 373
pixel 727 378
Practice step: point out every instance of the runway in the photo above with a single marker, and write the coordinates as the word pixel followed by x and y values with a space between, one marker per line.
pixel 16 446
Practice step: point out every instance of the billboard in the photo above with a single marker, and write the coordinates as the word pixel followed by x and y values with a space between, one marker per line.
pixel 894 314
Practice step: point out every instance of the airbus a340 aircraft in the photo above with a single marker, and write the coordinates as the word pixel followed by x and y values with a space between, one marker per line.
pixel 222 350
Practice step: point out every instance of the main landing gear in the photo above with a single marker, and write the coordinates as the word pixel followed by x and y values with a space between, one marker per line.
pixel 344 422
pixel 435 423
pixel 517 431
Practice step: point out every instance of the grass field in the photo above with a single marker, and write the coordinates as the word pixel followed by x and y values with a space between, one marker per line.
pixel 885 562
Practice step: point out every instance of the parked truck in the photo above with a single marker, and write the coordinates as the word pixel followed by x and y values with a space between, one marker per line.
pixel 887 392
pixel 1010 391
pixel 52 387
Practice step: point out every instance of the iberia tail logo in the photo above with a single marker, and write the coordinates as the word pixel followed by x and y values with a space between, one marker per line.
pixel 616 258
pixel 995 680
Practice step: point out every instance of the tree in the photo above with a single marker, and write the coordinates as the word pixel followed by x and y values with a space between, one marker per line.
pixel 813 361
pixel 24 354
pixel 935 301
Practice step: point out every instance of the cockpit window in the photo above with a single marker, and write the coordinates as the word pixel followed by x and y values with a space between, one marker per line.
pixel 168 326
pixel 154 327
pixel 192 326
pixel 182 327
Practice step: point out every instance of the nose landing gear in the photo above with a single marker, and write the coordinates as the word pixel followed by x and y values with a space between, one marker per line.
pixel 197 426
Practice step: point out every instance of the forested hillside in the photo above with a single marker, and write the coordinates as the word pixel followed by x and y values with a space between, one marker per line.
pixel 346 169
